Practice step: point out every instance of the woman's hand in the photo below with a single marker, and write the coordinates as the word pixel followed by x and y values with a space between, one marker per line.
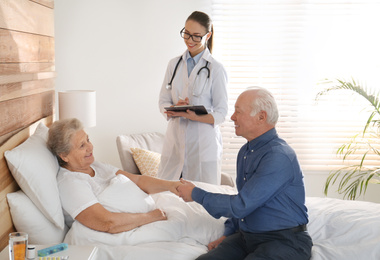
pixel 185 190
pixel 183 102
pixel 157 215
pixel 191 115
pixel 98 218
pixel 174 186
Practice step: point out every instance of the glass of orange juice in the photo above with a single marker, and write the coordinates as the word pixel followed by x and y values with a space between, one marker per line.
pixel 18 242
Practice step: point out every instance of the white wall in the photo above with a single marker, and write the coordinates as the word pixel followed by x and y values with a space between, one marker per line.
pixel 120 48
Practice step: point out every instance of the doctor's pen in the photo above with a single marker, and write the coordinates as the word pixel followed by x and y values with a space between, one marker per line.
pixel 183 101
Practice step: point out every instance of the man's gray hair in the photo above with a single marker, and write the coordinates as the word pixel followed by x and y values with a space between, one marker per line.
pixel 265 102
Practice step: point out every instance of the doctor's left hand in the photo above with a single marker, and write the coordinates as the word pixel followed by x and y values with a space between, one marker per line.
pixel 188 114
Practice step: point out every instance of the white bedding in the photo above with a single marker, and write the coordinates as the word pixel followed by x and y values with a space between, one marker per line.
pixel 184 235
pixel 344 230
pixel 341 230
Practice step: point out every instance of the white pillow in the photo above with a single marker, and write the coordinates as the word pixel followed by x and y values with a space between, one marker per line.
pixel 27 218
pixel 147 161
pixel 35 169
pixel 123 195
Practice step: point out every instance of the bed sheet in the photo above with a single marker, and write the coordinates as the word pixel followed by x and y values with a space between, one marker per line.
pixel 155 250
pixel 344 230
pixel 184 235
pixel 340 229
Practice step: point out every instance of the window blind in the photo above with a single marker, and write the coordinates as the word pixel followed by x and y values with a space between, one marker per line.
pixel 291 48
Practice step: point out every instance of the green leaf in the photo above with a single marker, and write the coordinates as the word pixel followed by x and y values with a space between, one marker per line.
pixel 353 180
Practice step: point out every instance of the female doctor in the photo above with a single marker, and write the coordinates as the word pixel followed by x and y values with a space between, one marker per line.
pixel 193 143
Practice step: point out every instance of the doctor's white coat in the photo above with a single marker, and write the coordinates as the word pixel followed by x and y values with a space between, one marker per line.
pixel 190 147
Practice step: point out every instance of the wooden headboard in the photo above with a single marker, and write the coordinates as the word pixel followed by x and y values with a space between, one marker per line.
pixel 27 93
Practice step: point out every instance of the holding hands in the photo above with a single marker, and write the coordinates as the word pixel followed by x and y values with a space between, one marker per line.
pixel 174 187
pixel 185 190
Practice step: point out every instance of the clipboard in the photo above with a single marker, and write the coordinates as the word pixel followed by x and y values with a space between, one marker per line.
pixel 199 110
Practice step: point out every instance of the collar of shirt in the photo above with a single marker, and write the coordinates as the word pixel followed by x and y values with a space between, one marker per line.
pixel 258 142
pixel 192 61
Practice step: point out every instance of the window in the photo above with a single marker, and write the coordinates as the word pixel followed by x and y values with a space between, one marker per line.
pixel 290 47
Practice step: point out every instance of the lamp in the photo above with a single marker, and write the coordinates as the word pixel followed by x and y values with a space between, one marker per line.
pixel 80 104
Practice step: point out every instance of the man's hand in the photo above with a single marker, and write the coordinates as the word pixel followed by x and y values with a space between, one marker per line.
pixel 215 243
pixel 185 190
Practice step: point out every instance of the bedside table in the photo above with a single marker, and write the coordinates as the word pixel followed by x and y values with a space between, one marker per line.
pixel 75 252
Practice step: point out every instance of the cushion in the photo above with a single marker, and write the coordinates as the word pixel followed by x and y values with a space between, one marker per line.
pixel 149 141
pixel 135 200
pixel 27 218
pixel 35 169
pixel 152 141
pixel 147 161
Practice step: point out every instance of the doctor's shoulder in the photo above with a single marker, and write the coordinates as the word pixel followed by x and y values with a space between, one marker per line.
pixel 216 66
pixel 215 63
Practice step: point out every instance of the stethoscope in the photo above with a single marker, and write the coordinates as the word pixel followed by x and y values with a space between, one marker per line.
pixel 169 85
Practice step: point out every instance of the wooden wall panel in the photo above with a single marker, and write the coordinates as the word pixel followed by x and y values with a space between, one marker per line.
pixel 27 73
pixel 47 3
pixel 21 77
pixel 27 16
pixel 25 47
pixel 21 89
pixel 21 112
pixel 27 69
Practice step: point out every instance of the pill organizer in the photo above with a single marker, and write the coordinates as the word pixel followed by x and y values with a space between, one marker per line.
pixel 52 249
pixel 50 258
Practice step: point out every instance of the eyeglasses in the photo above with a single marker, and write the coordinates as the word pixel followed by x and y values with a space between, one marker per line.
pixel 195 38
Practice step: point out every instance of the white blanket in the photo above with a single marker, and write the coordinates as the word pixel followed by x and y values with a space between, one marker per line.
pixel 341 230
pixel 188 224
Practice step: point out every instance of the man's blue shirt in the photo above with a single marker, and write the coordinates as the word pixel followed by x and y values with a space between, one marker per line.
pixel 271 193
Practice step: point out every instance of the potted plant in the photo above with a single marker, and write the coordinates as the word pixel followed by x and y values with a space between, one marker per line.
pixel 354 179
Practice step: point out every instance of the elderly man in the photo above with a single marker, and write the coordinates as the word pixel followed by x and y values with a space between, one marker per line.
pixel 267 218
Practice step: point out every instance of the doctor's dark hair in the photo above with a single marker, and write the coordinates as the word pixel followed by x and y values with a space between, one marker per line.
pixel 204 20
pixel 59 137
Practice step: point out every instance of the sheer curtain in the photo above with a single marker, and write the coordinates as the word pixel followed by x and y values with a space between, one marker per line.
pixel 291 48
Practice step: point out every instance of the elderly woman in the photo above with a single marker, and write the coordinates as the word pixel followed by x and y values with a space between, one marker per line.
pixel 81 180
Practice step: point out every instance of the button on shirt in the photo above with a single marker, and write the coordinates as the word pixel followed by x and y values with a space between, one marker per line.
pixel 271 193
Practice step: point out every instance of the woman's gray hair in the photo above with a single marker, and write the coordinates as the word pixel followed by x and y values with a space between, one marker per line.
pixel 60 134
pixel 265 102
